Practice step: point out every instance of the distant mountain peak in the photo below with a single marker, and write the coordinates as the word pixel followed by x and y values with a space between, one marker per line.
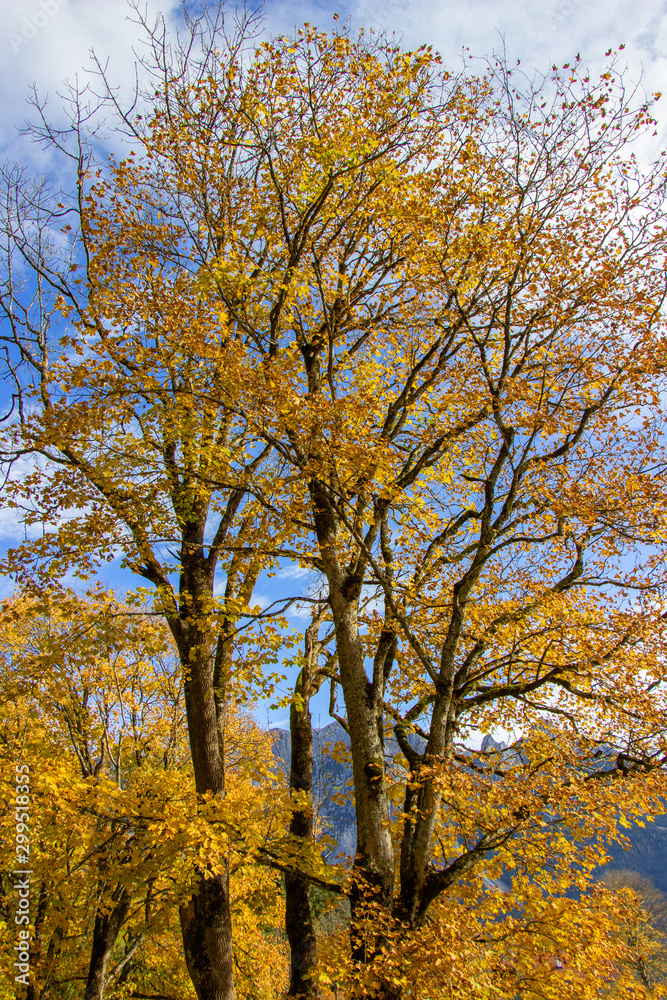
pixel 489 744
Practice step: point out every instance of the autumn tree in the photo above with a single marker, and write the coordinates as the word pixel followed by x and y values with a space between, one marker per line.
pixel 404 329
pixel 456 321
pixel 645 923
pixel 93 705
pixel 93 702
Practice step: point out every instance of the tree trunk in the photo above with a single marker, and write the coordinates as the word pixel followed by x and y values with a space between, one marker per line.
pixel 298 916
pixel 374 860
pixel 106 930
pixel 207 938
pixel 422 802
pixel 206 921
pixel 373 867
pixel 36 949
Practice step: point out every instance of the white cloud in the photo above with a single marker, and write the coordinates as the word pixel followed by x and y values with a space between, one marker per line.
pixel 295 573
pixel 300 612
pixel 278 723
pixel 12 528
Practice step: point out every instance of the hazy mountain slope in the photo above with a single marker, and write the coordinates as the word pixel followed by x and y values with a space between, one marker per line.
pixel 332 776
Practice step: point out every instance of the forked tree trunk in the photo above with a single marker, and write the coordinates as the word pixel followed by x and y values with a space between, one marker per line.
pixel 374 861
pixel 364 704
pixel 373 867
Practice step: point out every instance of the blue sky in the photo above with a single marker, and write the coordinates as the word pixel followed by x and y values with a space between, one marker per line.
pixel 47 41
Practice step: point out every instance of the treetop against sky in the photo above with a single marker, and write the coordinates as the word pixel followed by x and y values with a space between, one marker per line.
pixel 123 34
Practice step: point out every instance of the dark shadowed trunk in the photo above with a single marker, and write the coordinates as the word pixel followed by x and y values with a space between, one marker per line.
pixel 298 915
pixel 36 949
pixel 106 930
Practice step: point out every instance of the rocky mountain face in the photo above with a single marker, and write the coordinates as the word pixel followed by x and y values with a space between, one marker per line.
pixel 332 784
pixel 334 808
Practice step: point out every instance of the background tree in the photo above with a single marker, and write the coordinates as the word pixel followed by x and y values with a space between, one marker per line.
pixel 646 924
pixel 93 701
pixel 94 706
